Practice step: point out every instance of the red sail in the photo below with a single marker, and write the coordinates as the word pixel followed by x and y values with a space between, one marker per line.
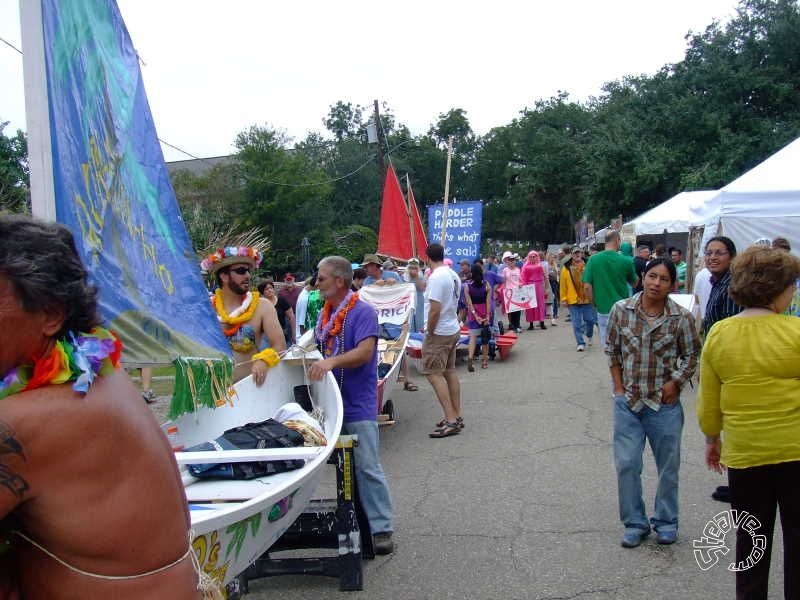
pixel 419 233
pixel 397 221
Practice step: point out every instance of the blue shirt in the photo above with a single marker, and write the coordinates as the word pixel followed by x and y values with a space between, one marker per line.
pixel 385 275
pixel 360 385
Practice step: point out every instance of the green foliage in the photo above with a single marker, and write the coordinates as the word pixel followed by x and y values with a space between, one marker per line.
pixel 14 180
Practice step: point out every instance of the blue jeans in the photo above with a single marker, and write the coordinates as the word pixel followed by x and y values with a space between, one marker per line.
pixel 663 430
pixel 602 324
pixel 373 491
pixel 582 318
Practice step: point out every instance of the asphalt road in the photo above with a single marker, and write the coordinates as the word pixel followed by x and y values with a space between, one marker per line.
pixel 523 503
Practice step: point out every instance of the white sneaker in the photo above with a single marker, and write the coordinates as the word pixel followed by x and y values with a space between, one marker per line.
pixel 553 322
pixel 581 347
pixel 590 341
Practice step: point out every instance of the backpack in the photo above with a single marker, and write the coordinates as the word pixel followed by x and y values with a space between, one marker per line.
pixel 266 434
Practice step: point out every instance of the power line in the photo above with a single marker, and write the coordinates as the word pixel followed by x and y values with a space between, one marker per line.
pixel 257 180
pixel 10 45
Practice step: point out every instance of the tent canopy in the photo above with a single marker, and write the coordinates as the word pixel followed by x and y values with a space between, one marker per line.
pixel 673 215
pixel 764 202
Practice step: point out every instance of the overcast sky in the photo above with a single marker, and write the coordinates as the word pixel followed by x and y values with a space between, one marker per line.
pixel 212 69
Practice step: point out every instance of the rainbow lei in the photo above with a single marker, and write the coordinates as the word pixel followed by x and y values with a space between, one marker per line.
pixel 79 357
pixel 330 325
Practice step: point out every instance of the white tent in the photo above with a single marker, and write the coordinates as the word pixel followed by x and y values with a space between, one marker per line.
pixel 673 215
pixel 764 202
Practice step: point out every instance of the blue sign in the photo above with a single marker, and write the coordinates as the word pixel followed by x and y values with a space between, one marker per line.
pixel 112 188
pixel 464 221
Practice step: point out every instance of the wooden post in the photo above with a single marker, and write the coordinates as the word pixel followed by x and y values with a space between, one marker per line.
pixel 447 189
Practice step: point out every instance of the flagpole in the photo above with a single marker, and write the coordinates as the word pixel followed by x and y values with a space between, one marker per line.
pixel 447 189
pixel 40 153
pixel 410 218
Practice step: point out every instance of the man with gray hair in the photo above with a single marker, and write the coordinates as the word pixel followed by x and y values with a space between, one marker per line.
pixel 347 334
pixel 606 279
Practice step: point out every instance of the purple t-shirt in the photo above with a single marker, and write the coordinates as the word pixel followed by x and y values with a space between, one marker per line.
pixel 360 385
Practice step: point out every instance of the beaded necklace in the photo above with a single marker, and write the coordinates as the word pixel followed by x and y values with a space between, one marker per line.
pixel 77 357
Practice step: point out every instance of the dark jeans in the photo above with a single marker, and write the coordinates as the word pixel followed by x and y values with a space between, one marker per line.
pixel 514 319
pixel 556 289
pixel 760 491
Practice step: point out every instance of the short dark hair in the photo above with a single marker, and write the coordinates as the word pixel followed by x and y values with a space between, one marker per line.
pixel 612 235
pixel 674 249
pixel 435 252
pixel 782 243
pixel 262 285
pixel 667 262
pixel 359 273
pixel 759 275
pixel 728 242
pixel 42 264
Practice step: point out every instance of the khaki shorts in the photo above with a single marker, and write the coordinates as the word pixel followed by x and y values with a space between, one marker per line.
pixel 439 353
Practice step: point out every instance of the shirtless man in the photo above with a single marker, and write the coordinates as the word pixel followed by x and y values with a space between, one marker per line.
pixel 245 316
pixel 85 472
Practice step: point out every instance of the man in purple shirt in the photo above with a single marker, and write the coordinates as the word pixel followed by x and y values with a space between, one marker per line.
pixel 347 333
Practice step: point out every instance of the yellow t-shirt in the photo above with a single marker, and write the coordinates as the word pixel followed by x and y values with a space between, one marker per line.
pixel 750 389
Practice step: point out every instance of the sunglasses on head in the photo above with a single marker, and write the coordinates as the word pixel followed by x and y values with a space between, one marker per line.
pixel 241 270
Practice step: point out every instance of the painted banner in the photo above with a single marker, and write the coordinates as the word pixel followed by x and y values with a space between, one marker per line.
pixel 464 220
pixel 112 189
pixel 519 298
pixel 392 303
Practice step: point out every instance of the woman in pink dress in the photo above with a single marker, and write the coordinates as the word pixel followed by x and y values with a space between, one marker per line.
pixel 533 272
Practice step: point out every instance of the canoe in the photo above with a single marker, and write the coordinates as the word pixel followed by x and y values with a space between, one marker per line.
pixel 235 522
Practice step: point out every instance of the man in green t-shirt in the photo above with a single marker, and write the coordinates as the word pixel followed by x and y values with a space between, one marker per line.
pixel 680 267
pixel 606 279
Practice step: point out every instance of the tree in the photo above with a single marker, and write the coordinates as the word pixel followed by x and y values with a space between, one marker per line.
pixel 14 175
pixel 285 194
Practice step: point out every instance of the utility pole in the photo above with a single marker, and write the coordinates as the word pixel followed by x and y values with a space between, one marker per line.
pixel 381 151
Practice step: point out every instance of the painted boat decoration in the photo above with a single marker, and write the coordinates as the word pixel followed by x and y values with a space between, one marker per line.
pixel 235 522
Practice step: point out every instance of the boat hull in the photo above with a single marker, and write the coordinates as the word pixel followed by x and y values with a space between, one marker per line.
pixel 235 522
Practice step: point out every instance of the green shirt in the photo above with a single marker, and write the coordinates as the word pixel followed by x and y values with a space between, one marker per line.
pixel 680 268
pixel 609 274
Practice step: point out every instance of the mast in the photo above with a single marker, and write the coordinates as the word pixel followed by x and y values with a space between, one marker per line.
pixel 37 115
pixel 411 229
pixel 447 189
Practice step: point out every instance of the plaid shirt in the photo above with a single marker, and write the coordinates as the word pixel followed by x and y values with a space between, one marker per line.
pixel 650 355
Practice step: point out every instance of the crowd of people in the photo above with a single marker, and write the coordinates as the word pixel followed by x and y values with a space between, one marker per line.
pixel 747 346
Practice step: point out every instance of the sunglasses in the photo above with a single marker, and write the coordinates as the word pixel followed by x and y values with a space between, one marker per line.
pixel 241 270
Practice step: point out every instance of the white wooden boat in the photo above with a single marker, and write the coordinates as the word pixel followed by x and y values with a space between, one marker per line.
pixel 235 522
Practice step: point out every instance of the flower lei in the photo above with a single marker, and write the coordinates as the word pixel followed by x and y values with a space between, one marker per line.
pixel 238 317
pixel 78 357
pixel 329 326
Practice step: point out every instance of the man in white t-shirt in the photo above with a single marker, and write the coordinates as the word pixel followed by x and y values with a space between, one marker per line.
pixel 439 347
pixel 702 289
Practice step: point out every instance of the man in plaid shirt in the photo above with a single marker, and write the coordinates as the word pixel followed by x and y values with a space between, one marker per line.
pixel 653 349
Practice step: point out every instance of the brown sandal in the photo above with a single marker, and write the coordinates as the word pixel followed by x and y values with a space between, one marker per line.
pixel 445 430
pixel 459 422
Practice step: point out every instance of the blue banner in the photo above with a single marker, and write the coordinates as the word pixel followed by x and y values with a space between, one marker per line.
pixel 112 188
pixel 464 220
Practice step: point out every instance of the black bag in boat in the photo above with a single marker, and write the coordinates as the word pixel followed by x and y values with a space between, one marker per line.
pixel 266 434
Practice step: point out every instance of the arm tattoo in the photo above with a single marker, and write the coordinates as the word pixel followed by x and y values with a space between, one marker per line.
pixel 9 444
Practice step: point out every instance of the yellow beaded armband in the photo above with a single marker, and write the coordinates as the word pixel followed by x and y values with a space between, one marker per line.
pixel 269 356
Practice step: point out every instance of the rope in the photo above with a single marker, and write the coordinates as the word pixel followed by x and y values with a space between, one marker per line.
pixel 206 585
